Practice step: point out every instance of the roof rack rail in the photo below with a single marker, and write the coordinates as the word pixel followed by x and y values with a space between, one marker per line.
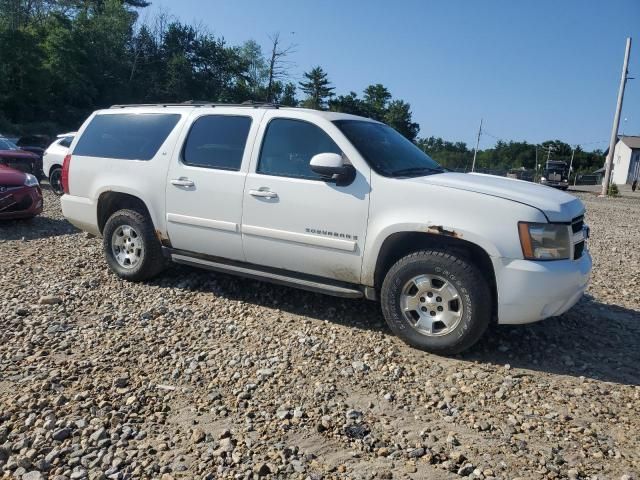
pixel 201 103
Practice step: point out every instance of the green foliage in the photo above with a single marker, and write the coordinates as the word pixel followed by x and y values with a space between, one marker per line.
pixel 317 87
pixel 377 103
pixel 613 190
pixel 508 155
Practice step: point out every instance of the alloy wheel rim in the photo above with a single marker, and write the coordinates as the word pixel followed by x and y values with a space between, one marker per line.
pixel 127 246
pixel 432 305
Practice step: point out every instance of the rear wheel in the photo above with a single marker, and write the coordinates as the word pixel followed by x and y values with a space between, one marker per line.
pixel 55 180
pixel 130 246
pixel 436 301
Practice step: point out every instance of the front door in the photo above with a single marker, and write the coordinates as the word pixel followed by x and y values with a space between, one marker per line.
pixel 205 182
pixel 294 220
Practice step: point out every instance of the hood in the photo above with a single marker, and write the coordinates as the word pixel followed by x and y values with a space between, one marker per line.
pixel 20 154
pixel 10 176
pixel 557 205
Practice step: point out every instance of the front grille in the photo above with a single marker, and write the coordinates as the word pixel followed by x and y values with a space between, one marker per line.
pixel 24 204
pixel 577 225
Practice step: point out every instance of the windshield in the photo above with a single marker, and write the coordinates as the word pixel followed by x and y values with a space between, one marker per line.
pixel 387 151
pixel 6 144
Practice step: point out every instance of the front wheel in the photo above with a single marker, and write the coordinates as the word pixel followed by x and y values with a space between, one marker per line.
pixel 436 301
pixel 130 246
pixel 55 180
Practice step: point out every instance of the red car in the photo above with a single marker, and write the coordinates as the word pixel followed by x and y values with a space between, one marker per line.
pixel 12 156
pixel 20 194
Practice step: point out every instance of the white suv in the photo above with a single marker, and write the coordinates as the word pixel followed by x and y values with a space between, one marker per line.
pixel 53 158
pixel 327 202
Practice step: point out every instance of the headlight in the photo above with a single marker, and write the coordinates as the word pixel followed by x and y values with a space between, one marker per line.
pixel 544 241
pixel 30 181
pixel 543 179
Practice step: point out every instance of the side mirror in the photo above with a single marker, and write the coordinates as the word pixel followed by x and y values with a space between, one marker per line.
pixel 332 168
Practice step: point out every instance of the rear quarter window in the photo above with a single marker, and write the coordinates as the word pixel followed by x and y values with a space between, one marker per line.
pixel 126 136
pixel 66 142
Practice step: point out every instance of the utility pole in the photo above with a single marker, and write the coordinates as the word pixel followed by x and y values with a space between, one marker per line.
pixel 475 152
pixel 573 151
pixel 616 121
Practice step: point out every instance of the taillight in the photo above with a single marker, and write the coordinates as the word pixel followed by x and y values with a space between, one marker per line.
pixel 65 173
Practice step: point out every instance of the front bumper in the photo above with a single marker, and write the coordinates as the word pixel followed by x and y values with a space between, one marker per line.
pixel 529 291
pixel 23 202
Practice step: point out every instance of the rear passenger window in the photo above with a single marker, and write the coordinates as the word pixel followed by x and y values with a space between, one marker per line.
pixel 288 147
pixel 217 141
pixel 126 136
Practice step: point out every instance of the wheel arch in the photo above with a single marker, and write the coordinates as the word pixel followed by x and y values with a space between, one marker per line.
pixel 400 244
pixel 111 201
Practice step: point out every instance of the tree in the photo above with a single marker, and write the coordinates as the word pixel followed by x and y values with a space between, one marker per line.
pixel 288 96
pixel 349 104
pixel 317 88
pixel 398 115
pixel 278 65
pixel 376 98
pixel 256 69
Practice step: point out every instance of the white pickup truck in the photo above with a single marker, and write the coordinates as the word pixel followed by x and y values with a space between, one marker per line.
pixel 327 202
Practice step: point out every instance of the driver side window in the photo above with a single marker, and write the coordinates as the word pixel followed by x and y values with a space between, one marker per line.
pixel 289 145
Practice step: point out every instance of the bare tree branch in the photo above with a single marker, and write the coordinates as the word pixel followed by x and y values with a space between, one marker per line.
pixel 278 65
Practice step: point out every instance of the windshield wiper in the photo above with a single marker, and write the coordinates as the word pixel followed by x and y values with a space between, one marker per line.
pixel 416 170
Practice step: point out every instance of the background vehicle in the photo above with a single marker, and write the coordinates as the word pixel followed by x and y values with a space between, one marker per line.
pixel 327 202
pixel 13 156
pixel 20 194
pixel 556 174
pixel 53 158
pixel 35 144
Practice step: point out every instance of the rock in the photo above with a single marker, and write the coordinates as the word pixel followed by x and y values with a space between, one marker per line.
pixel 121 382
pixel 466 470
pixel 98 435
pixel 261 469
pixel 452 439
pixel 50 300
pixel 354 415
pixel 33 475
pixel 457 457
pixel 62 434
pixel 198 435
pixel 417 453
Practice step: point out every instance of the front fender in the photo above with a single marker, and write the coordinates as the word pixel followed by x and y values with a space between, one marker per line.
pixel 488 222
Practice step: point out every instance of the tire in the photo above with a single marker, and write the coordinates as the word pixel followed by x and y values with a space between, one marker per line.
pixel 55 180
pixel 420 306
pixel 129 235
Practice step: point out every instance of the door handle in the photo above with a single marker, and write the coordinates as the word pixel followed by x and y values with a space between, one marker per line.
pixel 263 193
pixel 182 182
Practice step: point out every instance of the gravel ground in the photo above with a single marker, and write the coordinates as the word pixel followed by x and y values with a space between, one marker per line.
pixel 199 375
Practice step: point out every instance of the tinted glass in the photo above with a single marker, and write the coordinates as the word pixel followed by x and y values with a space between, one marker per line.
pixel 288 146
pixel 66 142
pixel 128 136
pixel 387 151
pixel 217 141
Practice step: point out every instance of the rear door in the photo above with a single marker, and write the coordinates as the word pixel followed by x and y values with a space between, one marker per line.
pixel 206 179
